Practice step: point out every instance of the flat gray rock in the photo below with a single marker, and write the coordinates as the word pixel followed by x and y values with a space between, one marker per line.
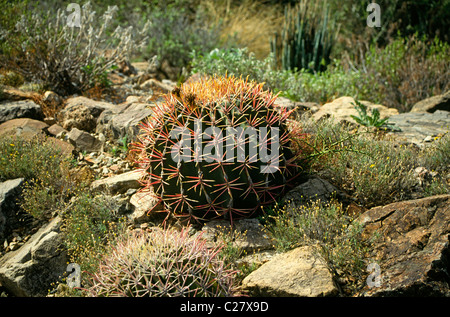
pixel 420 127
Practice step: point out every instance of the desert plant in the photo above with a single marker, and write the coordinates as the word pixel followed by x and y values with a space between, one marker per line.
pixel 325 225
pixel 405 71
pixel 373 120
pixel 437 156
pixel 65 58
pixel 162 263
pixel 174 34
pixel 238 62
pixel 36 158
pixel 91 226
pixel 307 39
pixel 48 184
pixel 367 167
pixel 244 24
pixel 11 79
pixel 232 175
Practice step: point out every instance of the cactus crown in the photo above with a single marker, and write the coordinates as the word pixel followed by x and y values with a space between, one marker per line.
pixel 217 148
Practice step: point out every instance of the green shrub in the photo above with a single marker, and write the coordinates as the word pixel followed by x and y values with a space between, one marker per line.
pixel 160 263
pixel 404 72
pixel 368 167
pixel 90 227
pixel 30 159
pixel 237 62
pixel 48 183
pixel 337 236
pixel 11 79
pixel 437 157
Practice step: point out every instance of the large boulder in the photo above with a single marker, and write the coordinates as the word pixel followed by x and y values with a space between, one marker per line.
pixel 418 128
pixel 439 102
pixel 9 193
pixel 412 250
pixel 342 108
pixel 123 121
pixel 299 272
pixel 41 261
pixel 20 109
pixel 24 128
pixel 82 113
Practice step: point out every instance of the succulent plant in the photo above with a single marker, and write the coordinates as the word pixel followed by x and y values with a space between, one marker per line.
pixel 162 263
pixel 217 148
pixel 307 38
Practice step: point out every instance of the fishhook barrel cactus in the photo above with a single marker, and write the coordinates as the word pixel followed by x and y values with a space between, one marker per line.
pixel 217 148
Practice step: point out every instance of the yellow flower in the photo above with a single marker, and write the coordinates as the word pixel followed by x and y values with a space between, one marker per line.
pixel 12 144
pixel 372 165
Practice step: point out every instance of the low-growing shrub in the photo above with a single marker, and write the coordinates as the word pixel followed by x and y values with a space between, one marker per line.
pixel 29 159
pixel 337 236
pixel 48 182
pixel 365 165
pixel 437 156
pixel 91 226
pixel 161 263
pixel 66 59
pixel 405 71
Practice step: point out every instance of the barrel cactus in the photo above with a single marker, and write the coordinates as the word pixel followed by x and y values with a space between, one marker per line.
pixel 163 263
pixel 217 148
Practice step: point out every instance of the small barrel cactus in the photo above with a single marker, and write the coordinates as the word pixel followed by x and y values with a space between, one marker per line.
pixel 162 263
pixel 217 148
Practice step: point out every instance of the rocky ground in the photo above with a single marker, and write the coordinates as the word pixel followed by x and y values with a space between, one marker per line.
pixel 413 252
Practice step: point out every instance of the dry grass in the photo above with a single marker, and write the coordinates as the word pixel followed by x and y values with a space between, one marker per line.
pixel 250 23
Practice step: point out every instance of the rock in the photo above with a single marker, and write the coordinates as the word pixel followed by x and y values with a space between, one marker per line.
pixel 418 127
pixel 24 128
pixel 52 98
pixel 249 235
pixel 143 202
pixel 11 93
pixel 20 109
pixel 313 189
pixel 41 261
pixel 343 107
pixel 82 113
pixel 123 121
pixel 299 272
pixel 165 86
pixel 56 130
pixel 118 183
pixel 83 141
pixel 10 191
pixel 413 249
pixel 95 107
pixel 66 148
pixel 439 102
pixel 79 117
pixel 297 107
